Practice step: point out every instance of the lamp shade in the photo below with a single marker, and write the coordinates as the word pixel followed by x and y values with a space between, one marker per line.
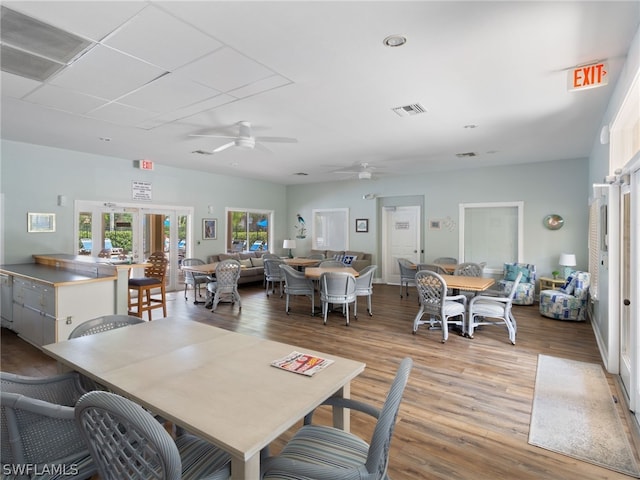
pixel 289 244
pixel 567 260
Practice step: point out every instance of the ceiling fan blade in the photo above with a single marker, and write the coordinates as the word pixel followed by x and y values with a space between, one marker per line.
pixel 223 147
pixel 277 139
pixel 212 136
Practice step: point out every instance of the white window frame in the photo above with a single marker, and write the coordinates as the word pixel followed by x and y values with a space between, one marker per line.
pixel 330 229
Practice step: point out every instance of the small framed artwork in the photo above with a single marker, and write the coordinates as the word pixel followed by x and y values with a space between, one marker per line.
pixel 435 224
pixel 362 225
pixel 41 222
pixel 209 228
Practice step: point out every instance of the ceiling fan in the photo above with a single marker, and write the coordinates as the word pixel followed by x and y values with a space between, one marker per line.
pixel 244 139
pixel 364 172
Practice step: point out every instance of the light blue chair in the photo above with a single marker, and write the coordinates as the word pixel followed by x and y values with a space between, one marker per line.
pixel 127 443
pixel 322 452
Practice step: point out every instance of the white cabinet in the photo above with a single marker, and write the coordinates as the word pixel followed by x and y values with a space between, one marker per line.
pixel 6 300
pixel 47 310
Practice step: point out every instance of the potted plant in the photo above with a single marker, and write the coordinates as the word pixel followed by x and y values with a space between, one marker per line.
pixel 555 274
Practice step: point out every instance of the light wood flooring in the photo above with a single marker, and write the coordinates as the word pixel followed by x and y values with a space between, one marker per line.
pixel 467 406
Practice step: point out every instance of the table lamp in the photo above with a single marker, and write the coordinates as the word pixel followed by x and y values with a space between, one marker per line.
pixel 567 260
pixel 289 244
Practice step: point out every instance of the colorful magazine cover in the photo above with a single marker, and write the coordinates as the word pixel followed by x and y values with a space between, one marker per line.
pixel 303 363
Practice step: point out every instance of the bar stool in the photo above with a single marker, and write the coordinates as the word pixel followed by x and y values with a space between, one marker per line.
pixel 153 279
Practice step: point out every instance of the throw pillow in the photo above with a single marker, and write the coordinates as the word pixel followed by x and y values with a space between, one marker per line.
pixel 246 262
pixel 349 259
pixel 257 262
pixel 511 272
pixel 569 285
pixel 339 257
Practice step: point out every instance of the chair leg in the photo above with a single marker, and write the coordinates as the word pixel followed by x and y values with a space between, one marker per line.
pixel 369 305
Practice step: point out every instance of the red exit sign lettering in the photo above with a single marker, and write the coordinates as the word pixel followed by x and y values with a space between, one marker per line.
pixel 145 164
pixel 588 76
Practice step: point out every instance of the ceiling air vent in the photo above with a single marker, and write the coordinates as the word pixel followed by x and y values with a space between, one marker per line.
pixel 34 49
pixel 409 110
pixel 466 154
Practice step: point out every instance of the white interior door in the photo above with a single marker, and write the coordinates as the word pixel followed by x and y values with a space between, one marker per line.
pixel 401 238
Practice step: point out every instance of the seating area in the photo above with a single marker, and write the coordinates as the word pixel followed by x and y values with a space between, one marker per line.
pixel 251 263
pixel 355 259
pixel 570 301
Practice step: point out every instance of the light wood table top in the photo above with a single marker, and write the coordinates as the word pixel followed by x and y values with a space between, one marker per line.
pixel 301 262
pixel 473 284
pixel 213 382
pixel 207 268
pixel 316 272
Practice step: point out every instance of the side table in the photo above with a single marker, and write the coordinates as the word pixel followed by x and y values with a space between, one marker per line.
pixel 548 283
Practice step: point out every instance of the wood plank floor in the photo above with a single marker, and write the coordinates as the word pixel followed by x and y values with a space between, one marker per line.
pixel 466 410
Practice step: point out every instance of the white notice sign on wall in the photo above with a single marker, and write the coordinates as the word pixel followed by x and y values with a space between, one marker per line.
pixel 141 190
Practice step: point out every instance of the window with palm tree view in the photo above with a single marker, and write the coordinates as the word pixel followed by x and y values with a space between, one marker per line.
pixel 248 230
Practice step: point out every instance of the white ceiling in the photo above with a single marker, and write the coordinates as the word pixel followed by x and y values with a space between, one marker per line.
pixel 158 72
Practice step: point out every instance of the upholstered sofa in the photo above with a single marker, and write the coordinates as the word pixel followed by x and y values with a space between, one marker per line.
pixel 252 265
pixel 570 301
pixel 526 290
pixel 360 259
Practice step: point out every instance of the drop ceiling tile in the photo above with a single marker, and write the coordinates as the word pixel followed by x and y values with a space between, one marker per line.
pixel 226 70
pixel 16 86
pixel 65 100
pixel 197 115
pixel 161 39
pixel 121 114
pixel 168 93
pixel 106 73
pixel 260 86
pixel 93 20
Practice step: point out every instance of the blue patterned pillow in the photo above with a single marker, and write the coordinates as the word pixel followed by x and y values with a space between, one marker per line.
pixel 349 259
pixel 569 285
pixel 511 272
pixel 339 257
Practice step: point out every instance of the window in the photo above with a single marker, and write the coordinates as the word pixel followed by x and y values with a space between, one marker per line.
pixel 248 230
pixel 330 229
pixel 492 233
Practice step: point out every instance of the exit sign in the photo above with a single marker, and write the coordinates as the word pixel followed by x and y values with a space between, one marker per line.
pixel 143 164
pixel 588 76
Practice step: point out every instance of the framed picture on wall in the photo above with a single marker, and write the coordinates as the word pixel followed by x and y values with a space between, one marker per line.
pixel 41 222
pixel 209 228
pixel 362 225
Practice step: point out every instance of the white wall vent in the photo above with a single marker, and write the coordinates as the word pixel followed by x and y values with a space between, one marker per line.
pixel 409 110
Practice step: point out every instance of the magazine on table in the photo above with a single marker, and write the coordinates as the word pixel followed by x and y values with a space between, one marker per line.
pixel 302 363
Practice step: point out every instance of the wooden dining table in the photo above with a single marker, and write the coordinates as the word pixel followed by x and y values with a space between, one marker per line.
pixel 315 273
pixel 212 382
pixel 472 284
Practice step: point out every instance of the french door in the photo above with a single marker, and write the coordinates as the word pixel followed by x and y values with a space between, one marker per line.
pixel 132 231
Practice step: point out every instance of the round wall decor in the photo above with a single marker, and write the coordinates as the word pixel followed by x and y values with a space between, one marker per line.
pixel 553 221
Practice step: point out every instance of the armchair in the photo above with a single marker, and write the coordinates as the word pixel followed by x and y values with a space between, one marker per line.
pixel 38 429
pixel 526 289
pixel 570 301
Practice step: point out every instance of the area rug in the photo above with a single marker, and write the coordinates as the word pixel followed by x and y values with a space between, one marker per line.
pixel 574 414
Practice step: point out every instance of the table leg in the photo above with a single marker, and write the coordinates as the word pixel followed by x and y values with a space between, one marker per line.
pixel 245 470
pixel 342 416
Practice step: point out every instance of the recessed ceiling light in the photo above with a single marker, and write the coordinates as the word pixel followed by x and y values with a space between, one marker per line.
pixel 395 40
